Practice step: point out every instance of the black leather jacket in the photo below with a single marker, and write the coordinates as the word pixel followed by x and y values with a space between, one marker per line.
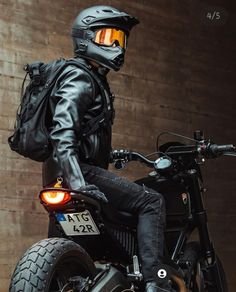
pixel 75 100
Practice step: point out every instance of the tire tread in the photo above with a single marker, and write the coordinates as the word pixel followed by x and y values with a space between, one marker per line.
pixel 31 271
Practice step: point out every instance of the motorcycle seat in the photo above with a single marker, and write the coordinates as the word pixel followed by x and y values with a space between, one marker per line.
pixel 119 217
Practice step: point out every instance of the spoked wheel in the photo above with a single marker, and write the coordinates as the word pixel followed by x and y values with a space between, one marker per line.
pixel 53 265
pixel 201 278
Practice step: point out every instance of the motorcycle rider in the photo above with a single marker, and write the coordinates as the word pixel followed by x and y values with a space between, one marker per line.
pixel 80 155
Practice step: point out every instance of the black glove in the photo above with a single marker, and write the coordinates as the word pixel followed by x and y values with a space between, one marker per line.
pixel 93 192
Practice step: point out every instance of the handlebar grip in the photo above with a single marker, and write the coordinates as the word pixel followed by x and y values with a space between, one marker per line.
pixel 216 150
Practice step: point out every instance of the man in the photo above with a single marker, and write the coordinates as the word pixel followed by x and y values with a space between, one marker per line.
pixel 81 155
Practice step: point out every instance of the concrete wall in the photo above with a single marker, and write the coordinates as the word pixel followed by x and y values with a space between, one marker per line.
pixel 179 76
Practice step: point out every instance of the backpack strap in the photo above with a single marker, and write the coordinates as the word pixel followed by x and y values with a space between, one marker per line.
pixel 94 124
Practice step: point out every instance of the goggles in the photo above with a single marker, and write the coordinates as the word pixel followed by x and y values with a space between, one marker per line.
pixel 110 36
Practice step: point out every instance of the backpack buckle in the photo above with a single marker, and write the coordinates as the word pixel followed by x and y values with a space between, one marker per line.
pixel 34 72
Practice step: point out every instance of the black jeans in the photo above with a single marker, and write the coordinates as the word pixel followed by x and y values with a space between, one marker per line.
pixel 132 198
pixel 147 204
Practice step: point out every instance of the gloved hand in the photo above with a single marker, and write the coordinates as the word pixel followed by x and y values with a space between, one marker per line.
pixel 93 192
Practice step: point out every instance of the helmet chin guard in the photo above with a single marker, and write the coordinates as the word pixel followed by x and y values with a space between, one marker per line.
pixel 84 29
pixel 109 57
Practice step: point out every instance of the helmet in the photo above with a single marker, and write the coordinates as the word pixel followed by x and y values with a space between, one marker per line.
pixel 100 34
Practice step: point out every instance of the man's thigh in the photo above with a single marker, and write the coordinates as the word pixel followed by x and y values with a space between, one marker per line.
pixel 121 193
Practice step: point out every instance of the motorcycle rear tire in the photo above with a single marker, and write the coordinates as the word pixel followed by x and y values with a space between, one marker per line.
pixel 49 264
pixel 205 284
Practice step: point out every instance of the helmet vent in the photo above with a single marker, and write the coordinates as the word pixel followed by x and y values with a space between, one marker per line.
pixel 88 19
pixel 108 11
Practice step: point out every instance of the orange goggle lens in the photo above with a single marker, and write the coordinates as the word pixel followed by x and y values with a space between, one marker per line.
pixel 110 36
pixel 55 197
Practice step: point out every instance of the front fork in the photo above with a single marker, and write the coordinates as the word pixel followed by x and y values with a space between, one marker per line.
pixel 200 221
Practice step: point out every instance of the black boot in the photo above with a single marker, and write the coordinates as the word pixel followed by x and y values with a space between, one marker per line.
pixel 152 287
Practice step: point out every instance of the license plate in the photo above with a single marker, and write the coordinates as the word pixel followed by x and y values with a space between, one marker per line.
pixel 77 223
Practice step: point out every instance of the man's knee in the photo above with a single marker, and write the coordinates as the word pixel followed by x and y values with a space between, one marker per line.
pixel 155 205
pixel 154 196
pixel 152 200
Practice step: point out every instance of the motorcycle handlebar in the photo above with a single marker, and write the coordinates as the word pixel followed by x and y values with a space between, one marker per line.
pixel 126 156
pixel 206 150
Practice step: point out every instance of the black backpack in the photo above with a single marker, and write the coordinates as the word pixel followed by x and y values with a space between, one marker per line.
pixel 31 137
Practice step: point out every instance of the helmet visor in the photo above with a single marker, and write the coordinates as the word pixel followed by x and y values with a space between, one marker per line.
pixel 110 36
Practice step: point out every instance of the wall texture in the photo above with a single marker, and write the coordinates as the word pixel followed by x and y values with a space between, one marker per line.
pixel 179 76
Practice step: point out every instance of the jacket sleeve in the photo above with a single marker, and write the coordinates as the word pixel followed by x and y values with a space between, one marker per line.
pixel 73 97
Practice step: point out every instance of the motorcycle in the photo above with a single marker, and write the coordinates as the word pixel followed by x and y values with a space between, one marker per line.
pixel 96 249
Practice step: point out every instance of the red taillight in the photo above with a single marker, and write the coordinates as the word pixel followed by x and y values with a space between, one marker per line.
pixel 55 197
